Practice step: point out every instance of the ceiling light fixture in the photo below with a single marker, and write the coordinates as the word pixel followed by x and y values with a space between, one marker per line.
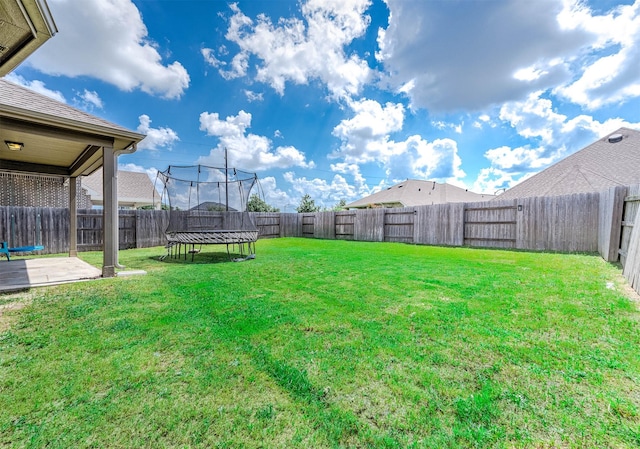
pixel 14 146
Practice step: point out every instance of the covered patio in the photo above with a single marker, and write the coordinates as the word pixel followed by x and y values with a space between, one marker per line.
pixel 39 135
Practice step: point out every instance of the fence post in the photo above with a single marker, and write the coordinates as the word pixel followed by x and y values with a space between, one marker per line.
pixel 610 222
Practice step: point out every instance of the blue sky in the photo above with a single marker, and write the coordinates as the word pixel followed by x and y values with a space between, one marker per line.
pixel 338 98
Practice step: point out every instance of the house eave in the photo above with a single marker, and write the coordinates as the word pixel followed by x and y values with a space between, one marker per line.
pixel 42 27
pixel 123 139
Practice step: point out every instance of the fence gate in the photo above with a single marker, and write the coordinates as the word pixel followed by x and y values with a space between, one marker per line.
pixel 345 222
pixel 127 229
pixel 268 225
pixel 490 226
pixel 398 225
pixel 90 230
pixel 307 225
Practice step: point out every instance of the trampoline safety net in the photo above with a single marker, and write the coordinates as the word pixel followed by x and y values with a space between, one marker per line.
pixel 208 205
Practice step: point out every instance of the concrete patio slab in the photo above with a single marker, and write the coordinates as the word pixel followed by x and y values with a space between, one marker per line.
pixel 28 273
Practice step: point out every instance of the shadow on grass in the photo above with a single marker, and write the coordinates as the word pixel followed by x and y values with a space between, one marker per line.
pixel 201 258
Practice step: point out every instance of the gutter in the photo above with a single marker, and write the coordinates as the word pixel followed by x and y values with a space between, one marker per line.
pixel 129 149
pixel 45 12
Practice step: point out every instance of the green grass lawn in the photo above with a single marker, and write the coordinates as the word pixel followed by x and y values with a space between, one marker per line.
pixel 322 344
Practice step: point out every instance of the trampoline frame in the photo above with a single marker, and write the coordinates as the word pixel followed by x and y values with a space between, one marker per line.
pixel 178 243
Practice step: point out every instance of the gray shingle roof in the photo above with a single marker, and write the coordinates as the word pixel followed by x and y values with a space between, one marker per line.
pixel 601 165
pixel 413 192
pixel 133 187
pixel 19 97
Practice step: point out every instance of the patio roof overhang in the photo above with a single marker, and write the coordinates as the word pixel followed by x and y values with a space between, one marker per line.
pixel 55 139
pixel 24 26
pixel 57 146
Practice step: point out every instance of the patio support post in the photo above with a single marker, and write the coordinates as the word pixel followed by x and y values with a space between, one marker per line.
pixel 73 217
pixel 110 211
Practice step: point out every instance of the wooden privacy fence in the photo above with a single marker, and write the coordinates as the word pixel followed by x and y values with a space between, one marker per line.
pixel 49 227
pixel 607 222
pixel 29 226
pixel 567 223
pixel 136 229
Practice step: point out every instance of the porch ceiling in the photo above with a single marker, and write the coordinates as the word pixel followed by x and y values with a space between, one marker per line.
pixel 57 139
pixel 54 153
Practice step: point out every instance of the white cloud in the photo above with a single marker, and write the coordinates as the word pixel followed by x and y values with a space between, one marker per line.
pixel 442 125
pixel 36 86
pixel 354 171
pixel 612 75
pixel 483 119
pixel 107 40
pixel 273 195
pixel 88 100
pixel 518 159
pixel 297 51
pixel 553 136
pixel 557 134
pixel 253 96
pixel 494 181
pixel 469 55
pixel 239 66
pixel 366 138
pixel 209 57
pixel 156 137
pixel 324 193
pixel 419 158
pixel 247 151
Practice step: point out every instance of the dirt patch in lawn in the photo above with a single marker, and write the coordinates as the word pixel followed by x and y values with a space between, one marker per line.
pixel 10 304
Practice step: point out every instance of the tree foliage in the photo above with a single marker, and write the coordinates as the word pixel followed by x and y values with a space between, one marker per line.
pixel 340 205
pixel 307 204
pixel 257 204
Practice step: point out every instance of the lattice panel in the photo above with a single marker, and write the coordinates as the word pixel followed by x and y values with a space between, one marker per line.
pixel 18 189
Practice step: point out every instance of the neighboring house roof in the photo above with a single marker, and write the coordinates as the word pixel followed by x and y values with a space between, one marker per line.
pixel 134 189
pixel 24 26
pixel 613 160
pixel 414 192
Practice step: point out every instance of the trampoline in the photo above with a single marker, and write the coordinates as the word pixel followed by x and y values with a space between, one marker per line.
pixel 208 206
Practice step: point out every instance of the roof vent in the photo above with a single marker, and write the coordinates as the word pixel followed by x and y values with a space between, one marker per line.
pixel 615 138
